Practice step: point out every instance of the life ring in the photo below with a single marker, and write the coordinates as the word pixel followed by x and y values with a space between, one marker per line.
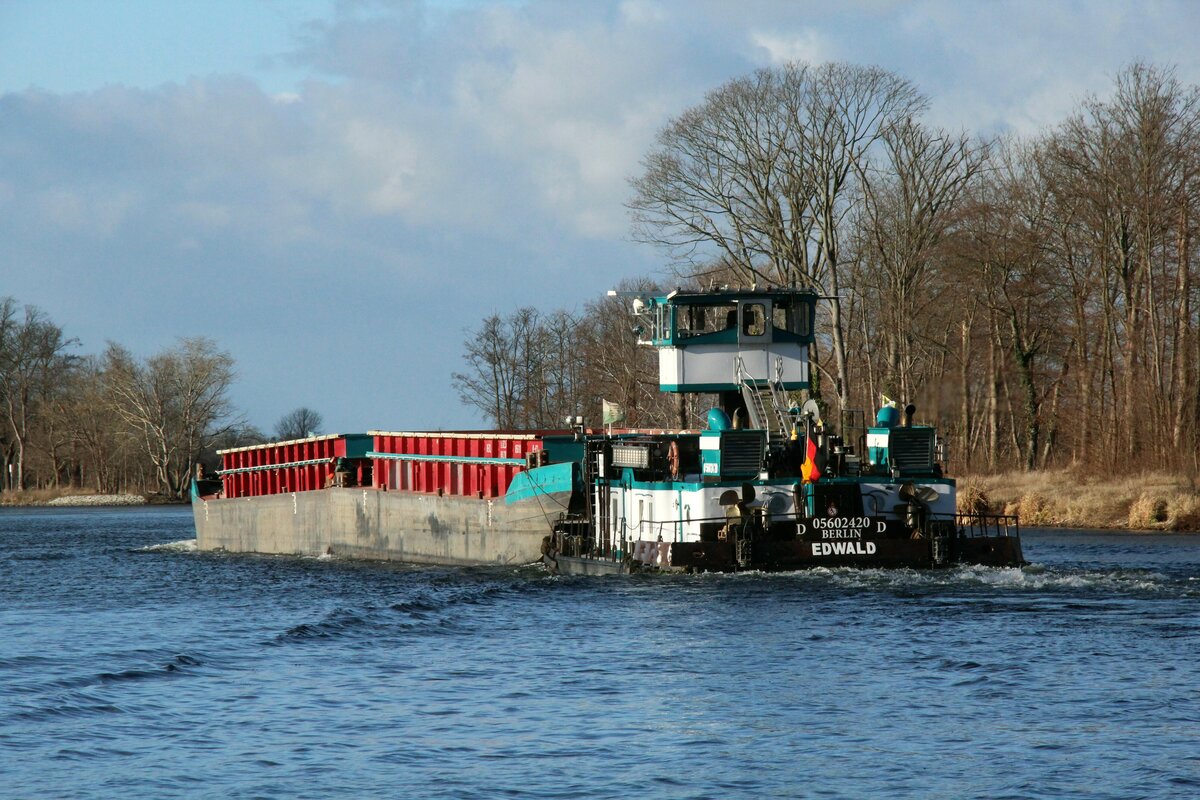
pixel 673 460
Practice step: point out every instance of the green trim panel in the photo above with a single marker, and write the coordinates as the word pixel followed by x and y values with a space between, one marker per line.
pixel 889 479
pixel 358 445
pixel 541 481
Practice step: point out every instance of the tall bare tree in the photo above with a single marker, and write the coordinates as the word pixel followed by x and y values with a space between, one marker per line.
pixel 1128 167
pixel 531 370
pixel 176 400
pixel 910 201
pixel 99 436
pixel 760 177
pixel 33 361
pixel 493 381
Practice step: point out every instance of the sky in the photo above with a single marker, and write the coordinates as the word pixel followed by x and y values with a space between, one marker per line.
pixel 337 191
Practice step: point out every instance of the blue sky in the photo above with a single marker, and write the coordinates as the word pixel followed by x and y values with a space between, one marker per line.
pixel 336 191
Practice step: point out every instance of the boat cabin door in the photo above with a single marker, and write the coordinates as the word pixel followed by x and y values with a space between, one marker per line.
pixel 755 323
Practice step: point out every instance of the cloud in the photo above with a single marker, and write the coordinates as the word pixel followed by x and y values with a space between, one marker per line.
pixel 804 45
pixel 1024 66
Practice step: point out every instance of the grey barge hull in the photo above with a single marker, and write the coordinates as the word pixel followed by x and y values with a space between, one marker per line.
pixel 380 525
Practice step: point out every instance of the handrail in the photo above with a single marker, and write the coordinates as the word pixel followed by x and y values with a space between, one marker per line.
pixel 754 402
pixel 780 400
pixel 976 525
pixel 285 465
pixel 449 459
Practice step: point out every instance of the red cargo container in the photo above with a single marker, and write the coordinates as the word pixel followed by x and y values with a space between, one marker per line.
pixel 464 463
pixel 299 465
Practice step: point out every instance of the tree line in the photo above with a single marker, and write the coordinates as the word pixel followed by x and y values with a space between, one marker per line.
pixel 115 422
pixel 1036 296
pixel 530 370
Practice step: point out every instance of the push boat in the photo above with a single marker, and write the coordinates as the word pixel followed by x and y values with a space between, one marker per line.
pixel 766 485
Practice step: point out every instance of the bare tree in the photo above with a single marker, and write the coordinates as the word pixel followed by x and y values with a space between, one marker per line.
pixel 1128 177
pixel 33 360
pixel 491 381
pixel 531 369
pixel 759 178
pixel 910 200
pixel 620 370
pixel 177 401
pixel 523 370
pixel 98 435
pixel 297 424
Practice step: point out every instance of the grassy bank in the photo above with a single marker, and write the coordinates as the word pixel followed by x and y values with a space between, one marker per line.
pixel 1153 501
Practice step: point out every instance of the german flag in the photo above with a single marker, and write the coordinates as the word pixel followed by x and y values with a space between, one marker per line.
pixel 814 458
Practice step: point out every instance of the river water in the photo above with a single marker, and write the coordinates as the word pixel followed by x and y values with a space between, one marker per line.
pixel 133 666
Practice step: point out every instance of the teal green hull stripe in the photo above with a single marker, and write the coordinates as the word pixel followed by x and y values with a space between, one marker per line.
pixel 450 459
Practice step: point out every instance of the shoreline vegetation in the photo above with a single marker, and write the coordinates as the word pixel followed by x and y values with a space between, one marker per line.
pixel 1151 502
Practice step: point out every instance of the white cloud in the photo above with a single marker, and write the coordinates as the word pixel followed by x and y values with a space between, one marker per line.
pixel 642 12
pixel 1024 66
pixel 575 107
pixel 804 45
pixel 90 210
pixel 385 159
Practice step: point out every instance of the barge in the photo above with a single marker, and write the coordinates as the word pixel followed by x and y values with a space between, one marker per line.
pixel 765 485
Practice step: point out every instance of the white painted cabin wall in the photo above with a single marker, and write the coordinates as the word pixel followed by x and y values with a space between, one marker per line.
pixel 647 512
pixel 660 509
pixel 709 364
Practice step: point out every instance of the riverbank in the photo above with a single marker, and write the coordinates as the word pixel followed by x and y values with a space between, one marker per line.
pixel 1152 501
pixel 1063 498
pixel 75 498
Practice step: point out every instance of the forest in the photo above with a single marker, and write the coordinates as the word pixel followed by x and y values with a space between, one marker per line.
pixel 1035 297
pixel 111 423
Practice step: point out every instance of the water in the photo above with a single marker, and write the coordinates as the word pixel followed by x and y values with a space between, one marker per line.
pixel 133 666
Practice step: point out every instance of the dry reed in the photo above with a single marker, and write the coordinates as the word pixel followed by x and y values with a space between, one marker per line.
pixel 1148 501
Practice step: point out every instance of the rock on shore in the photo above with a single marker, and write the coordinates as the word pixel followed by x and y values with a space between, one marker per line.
pixel 99 500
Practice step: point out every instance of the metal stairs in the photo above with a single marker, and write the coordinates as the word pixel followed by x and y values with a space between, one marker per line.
pixel 768 406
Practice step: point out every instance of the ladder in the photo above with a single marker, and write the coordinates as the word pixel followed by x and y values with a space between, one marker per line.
pixel 789 418
pixel 779 420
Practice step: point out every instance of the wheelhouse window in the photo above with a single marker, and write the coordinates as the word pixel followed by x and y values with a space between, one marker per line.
pixel 697 320
pixel 793 316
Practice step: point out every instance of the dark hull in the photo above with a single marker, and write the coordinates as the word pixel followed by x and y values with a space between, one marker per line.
pixel 782 556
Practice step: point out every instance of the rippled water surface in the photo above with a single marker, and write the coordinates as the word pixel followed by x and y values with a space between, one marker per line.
pixel 133 666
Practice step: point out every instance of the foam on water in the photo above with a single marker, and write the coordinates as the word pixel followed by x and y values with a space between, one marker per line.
pixel 181 546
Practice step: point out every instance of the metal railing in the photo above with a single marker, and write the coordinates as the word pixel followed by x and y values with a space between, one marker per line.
pixel 974 525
